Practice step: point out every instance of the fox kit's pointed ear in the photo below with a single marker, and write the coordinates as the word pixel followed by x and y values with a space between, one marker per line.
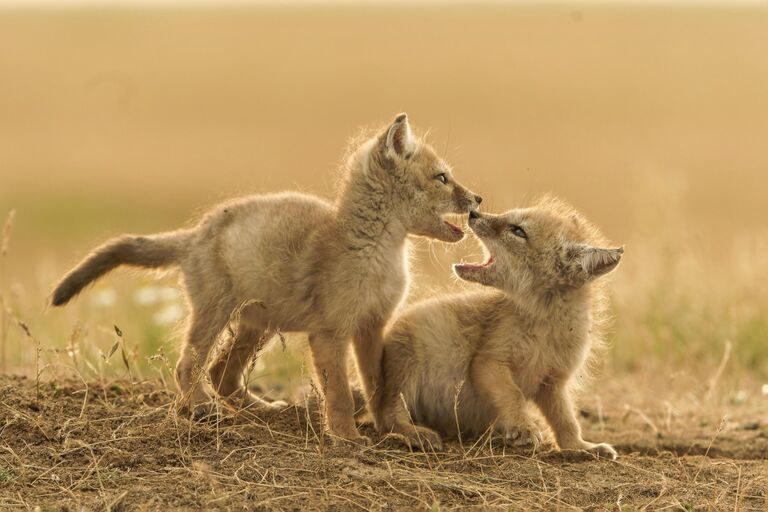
pixel 587 262
pixel 400 142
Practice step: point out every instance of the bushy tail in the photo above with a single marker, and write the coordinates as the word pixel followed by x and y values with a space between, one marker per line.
pixel 154 251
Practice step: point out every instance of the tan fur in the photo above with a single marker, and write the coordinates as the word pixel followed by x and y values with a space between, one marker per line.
pixel 336 271
pixel 472 361
pixel 144 251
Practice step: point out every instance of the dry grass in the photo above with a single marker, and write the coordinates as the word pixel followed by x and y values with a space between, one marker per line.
pixel 122 447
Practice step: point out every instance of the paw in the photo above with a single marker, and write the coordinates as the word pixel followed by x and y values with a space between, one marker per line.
pixel 525 435
pixel 205 412
pixel 252 404
pixel 356 440
pixel 422 438
pixel 260 411
pixel 347 434
pixel 602 451
pixel 276 406
pixel 279 405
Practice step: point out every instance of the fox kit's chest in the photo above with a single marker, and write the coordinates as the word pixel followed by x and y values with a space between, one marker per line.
pixel 383 286
pixel 351 290
pixel 558 351
pixel 538 352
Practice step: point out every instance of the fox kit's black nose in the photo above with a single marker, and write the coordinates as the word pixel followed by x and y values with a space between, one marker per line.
pixel 478 199
pixel 474 214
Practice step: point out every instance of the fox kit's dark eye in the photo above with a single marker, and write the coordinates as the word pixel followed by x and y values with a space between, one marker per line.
pixel 518 231
pixel 442 178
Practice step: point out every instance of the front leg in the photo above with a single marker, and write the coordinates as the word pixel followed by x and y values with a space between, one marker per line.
pixel 369 345
pixel 493 380
pixel 329 354
pixel 555 403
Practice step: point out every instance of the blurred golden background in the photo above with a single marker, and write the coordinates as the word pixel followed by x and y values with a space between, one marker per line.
pixel 651 120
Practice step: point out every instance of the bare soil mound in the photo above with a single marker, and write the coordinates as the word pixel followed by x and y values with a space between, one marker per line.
pixel 121 446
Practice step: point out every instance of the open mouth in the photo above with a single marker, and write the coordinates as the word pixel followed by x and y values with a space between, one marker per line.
pixel 454 228
pixel 477 266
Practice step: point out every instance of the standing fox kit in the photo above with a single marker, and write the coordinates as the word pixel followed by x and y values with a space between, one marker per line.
pixel 472 361
pixel 294 262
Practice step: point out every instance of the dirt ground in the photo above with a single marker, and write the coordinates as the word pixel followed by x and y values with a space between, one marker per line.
pixel 121 446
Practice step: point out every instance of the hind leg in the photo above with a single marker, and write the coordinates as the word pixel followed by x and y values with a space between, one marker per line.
pixel 229 369
pixel 201 334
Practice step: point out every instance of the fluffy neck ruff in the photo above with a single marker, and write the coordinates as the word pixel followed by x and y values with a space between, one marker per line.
pixel 546 306
pixel 368 203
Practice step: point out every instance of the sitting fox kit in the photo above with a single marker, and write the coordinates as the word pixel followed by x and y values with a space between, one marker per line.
pixel 294 262
pixel 472 361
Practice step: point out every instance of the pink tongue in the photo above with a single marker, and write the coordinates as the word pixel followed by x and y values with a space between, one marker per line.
pixel 476 265
pixel 454 228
